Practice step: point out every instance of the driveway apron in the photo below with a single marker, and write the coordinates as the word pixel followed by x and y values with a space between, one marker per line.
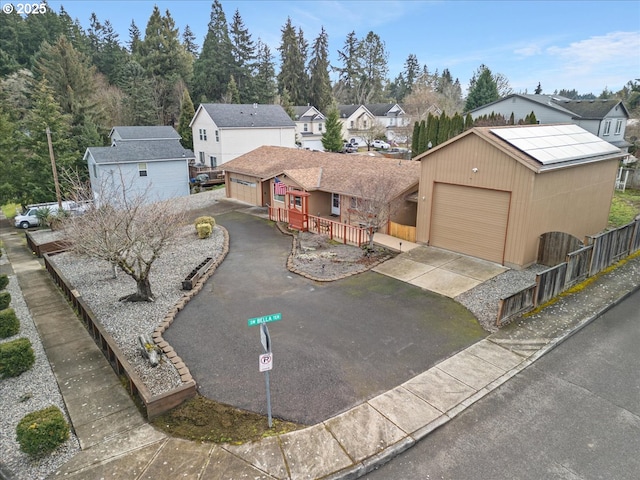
pixel 338 343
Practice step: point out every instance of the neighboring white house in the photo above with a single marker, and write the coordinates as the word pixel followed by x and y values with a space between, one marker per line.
pixel 357 122
pixel 154 166
pixel 310 126
pixel 392 118
pixel 224 131
pixel 605 118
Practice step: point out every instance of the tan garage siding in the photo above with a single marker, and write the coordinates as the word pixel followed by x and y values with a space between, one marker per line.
pixel 458 210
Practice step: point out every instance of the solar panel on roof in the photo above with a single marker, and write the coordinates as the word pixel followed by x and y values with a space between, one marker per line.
pixel 551 144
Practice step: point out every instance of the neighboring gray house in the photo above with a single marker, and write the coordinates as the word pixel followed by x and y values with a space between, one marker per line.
pixel 309 127
pixel 605 118
pixel 153 165
pixel 125 134
pixel 224 131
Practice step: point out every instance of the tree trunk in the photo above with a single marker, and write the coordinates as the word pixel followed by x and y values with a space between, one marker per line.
pixel 143 293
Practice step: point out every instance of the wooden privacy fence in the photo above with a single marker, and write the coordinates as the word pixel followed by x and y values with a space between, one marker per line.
pixel 601 251
pixel 154 405
pixel 404 232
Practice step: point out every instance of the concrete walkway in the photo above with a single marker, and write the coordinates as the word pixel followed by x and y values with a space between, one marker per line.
pixel 118 444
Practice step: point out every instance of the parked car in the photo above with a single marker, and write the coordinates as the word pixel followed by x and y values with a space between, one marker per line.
pixel 29 217
pixel 349 148
pixel 380 144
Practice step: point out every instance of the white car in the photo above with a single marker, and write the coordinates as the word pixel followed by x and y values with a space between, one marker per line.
pixel 380 144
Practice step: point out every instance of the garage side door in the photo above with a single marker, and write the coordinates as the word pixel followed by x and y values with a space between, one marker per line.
pixel 470 220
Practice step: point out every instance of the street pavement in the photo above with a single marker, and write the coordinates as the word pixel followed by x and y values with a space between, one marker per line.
pixel 574 414
pixel 118 444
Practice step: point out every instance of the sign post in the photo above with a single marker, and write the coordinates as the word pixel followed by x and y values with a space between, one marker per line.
pixel 265 363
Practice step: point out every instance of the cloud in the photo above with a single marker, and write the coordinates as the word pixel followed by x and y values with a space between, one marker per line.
pixel 615 48
pixel 528 51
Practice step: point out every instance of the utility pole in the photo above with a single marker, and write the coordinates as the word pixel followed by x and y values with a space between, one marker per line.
pixel 54 169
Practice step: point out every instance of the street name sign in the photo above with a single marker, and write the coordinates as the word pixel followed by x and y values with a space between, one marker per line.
pixel 252 322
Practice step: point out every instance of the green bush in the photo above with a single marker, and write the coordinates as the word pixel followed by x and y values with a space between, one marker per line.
pixel 210 220
pixel 5 300
pixel 4 281
pixel 16 357
pixel 9 323
pixel 42 431
pixel 204 230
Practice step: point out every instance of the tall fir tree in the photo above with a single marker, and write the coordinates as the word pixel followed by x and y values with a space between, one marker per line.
pixel 350 70
pixel 264 81
pixel 332 135
pixel 139 105
pixel 243 51
pixel 12 165
pixel 415 139
pixel 135 38
pixel 187 111
pixel 213 68
pixel 292 76
pixel 320 95
pixel 374 62
pixel 483 89
pixel 189 42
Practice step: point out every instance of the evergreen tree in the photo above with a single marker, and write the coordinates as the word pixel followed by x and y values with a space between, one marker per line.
pixel 189 42
pixel 139 105
pixel 415 140
pixel 264 81
pixel 443 129
pixel 243 51
pixel 320 95
pixel 11 161
pixel 374 71
pixel 422 137
pixel 135 38
pixel 212 70
pixel 187 111
pixel 468 122
pixel 332 136
pixel 36 184
pixel 233 94
pixel 456 125
pixel 106 53
pixel 293 56
pixel 432 131
pixel 10 47
pixel 167 63
pixel 483 89
pixel 350 70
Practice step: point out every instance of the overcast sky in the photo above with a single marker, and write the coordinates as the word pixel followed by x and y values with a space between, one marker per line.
pixel 582 45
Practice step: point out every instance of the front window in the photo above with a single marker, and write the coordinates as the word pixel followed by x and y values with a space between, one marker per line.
pixel 217 136
pixel 319 127
pixel 618 127
pixel 365 124
pixel 203 134
pixel 607 127
pixel 351 124
pixel 306 127
pixel 142 169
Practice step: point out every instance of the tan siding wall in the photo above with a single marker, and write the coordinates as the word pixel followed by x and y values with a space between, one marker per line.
pixel 496 170
pixel 320 203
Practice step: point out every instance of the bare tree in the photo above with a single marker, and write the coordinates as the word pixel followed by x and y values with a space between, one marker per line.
pixel 372 133
pixel 375 202
pixel 123 229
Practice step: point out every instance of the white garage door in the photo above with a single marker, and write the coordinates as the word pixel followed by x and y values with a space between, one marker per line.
pixel 470 220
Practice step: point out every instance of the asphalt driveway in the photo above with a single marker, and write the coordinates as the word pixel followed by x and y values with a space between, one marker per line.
pixel 337 345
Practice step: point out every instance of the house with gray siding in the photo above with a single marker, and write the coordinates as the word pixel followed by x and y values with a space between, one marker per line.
pixel 606 119
pixel 157 167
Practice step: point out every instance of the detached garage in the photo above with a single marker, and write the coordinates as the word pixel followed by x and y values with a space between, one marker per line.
pixel 492 191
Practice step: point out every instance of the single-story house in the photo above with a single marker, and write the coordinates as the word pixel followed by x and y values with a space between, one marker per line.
pixel 222 132
pixel 606 119
pixel 334 182
pixel 309 127
pixel 156 168
pixel 491 192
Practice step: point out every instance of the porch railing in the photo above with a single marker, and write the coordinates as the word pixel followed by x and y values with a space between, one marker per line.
pixel 341 232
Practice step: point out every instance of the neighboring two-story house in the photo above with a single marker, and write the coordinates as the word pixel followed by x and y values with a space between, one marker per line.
pixel 310 126
pixel 392 118
pixel 222 132
pixel 606 119
pixel 357 122
pixel 143 161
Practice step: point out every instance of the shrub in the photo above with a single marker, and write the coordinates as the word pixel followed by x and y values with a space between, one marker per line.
pixel 210 220
pixel 5 300
pixel 9 323
pixel 16 357
pixel 42 431
pixel 204 230
pixel 4 281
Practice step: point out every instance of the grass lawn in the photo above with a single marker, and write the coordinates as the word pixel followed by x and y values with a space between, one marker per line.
pixel 624 207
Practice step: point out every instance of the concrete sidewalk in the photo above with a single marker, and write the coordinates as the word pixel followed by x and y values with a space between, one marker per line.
pixel 117 443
